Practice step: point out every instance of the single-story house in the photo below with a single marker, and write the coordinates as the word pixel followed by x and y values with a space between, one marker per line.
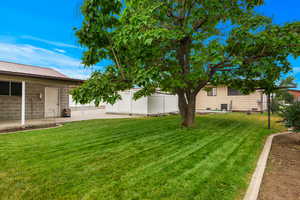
pixel 226 98
pixel 158 103
pixel 296 94
pixel 30 92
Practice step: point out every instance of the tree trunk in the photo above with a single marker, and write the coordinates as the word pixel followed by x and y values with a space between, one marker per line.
pixel 189 118
pixel 187 109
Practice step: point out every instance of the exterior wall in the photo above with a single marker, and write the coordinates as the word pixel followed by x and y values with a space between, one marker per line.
pixel 64 98
pixel 252 102
pixel 35 106
pixel 10 106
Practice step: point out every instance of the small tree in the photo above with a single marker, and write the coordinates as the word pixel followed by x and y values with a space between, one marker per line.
pixel 282 96
pixel 291 116
pixel 178 46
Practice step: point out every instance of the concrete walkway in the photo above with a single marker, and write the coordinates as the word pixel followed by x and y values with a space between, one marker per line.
pixel 78 115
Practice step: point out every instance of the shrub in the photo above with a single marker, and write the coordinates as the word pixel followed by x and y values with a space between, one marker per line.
pixel 275 106
pixel 291 115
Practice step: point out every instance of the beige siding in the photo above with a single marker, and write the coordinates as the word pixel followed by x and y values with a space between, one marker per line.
pixel 235 103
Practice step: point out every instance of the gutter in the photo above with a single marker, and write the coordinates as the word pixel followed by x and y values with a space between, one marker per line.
pixel 41 76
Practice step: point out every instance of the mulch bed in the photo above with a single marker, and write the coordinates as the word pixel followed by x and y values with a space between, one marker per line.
pixel 282 176
pixel 13 130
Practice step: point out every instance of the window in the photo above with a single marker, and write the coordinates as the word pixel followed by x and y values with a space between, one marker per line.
pixel 212 92
pixel 233 92
pixel 16 89
pixel 4 88
pixel 10 88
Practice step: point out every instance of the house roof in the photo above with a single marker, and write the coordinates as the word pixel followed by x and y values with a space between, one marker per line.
pixel 9 68
pixel 295 93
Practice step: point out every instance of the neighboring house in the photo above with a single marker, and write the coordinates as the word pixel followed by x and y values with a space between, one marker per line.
pixel 29 92
pixel 225 98
pixel 157 103
pixel 296 94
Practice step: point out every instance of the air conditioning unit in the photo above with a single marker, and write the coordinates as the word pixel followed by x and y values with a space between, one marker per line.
pixel 224 107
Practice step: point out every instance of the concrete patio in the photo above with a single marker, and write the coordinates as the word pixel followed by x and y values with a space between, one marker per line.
pixel 78 115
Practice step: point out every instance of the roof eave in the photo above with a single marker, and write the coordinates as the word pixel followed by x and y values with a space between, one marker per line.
pixel 78 81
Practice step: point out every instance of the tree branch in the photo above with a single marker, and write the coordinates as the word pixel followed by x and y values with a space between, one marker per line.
pixel 118 63
pixel 189 10
pixel 199 23
pixel 170 14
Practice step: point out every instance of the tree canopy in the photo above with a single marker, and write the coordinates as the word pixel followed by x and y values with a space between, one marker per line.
pixel 180 46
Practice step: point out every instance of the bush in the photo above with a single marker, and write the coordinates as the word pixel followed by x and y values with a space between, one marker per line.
pixel 291 115
pixel 275 106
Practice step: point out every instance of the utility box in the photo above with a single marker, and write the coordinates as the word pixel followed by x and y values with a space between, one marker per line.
pixel 224 107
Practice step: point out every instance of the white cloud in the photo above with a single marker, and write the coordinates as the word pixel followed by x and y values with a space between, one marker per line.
pixel 29 54
pixel 79 74
pixel 59 44
pixel 296 70
pixel 295 62
pixel 60 50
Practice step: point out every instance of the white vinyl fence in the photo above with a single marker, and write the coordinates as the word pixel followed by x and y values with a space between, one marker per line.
pixel 152 105
pixel 76 106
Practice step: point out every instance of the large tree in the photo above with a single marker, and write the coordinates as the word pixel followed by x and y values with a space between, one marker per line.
pixel 178 46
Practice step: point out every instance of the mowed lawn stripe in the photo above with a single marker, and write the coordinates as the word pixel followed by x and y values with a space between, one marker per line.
pixel 142 139
pixel 138 175
pixel 214 173
pixel 130 164
pixel 178 159
pixel 175 154
pixel 141 177
pixel 147 158
pixel 58 146
pixel 194 167
pixel 218 186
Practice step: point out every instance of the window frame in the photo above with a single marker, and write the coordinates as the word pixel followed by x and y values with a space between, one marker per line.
pixel 18 91
pixel 212 92
pixel 230 94
pixel 10 89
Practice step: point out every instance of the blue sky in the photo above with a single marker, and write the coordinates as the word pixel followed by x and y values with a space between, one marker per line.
pixel 41 32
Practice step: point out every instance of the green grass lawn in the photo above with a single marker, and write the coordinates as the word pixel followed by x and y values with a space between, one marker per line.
pixel 145 158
